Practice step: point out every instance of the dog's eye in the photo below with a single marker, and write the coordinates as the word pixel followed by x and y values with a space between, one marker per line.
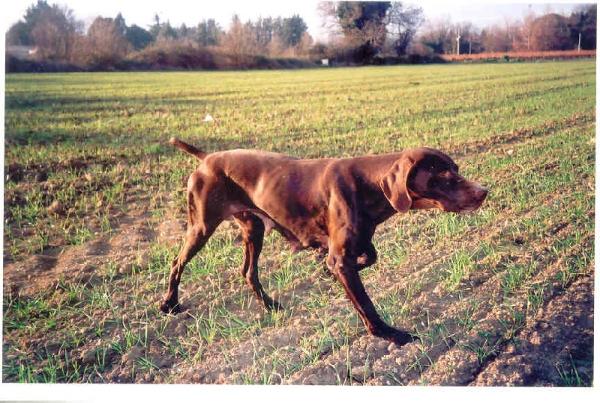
pixel 446 180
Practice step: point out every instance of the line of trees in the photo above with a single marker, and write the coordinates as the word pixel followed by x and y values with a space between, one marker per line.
pixel 360 32
pixel 370 29
pixel 549 31
pixel 58 37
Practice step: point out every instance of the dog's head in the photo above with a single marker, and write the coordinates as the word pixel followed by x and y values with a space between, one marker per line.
pixel 424 178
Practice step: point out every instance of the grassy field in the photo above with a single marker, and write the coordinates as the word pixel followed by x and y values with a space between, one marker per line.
pixel 94 213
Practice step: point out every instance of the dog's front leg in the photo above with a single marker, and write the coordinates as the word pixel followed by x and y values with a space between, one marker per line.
pixel 345 269
pixel 345 244
pixel 367 258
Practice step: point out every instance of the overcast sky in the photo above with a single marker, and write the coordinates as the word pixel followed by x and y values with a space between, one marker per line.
pixel 191 12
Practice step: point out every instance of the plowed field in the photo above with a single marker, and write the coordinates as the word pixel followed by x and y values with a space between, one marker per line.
pixel 94 211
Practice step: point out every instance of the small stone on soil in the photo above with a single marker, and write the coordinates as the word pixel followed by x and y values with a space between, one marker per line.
pixel 56 207
pixel 132 355
pixel 88 356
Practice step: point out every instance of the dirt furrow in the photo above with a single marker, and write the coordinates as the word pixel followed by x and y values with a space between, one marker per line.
pixel 478 147
pixel 463 362
pixel 559 338
pixel 133 236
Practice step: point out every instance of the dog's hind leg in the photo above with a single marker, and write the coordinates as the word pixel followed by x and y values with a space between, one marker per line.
pixel 195 239
pixel 253 230
pixel 203 219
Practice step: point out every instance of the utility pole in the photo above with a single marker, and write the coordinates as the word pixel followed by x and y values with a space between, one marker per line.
pixel 579 43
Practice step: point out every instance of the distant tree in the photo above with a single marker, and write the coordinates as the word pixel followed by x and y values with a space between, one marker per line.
pixel 21 32
pixel 292 30
pixel 106 41
pixel 34 14
pixel 155 28
pixel 362 24
pixel 319 51
pixel 238 41
pixel 402 24
pixel 166 32
pixel 138 37
pixel 208 33
pixel 303 47
pixel 120 24
pixel 264 31
pixel 368 26
pixel 54 32
pixel 183 32
pixel 438 35
pixel 525 32
pixel 329 20
pixel 276 47
pixel 18 34
pixel 551 32
pixel 470 38
pixel 583 21
pixel 256 36
pixel 497 38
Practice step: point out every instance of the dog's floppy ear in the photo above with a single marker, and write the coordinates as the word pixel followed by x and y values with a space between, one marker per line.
pixel 394 184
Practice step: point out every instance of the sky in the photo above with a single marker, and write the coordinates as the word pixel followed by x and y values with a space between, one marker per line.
pixel 190 12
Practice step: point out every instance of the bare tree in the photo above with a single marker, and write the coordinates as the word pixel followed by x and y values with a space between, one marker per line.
pixel 239 41
pixel 276 46
pixel 497 38
pixel 526 32
pixel 106 41
pixel 263 31
pixel 402 24
pixel 438 35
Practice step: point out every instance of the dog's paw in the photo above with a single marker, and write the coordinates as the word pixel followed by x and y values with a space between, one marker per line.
pixel 396 336
pixel 273 305
pixel 169 307
pixel 400 338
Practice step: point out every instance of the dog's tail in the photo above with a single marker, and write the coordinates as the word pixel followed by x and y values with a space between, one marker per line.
pixel 188 148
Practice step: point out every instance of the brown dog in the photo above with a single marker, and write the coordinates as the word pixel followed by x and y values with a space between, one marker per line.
pixel 332 204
